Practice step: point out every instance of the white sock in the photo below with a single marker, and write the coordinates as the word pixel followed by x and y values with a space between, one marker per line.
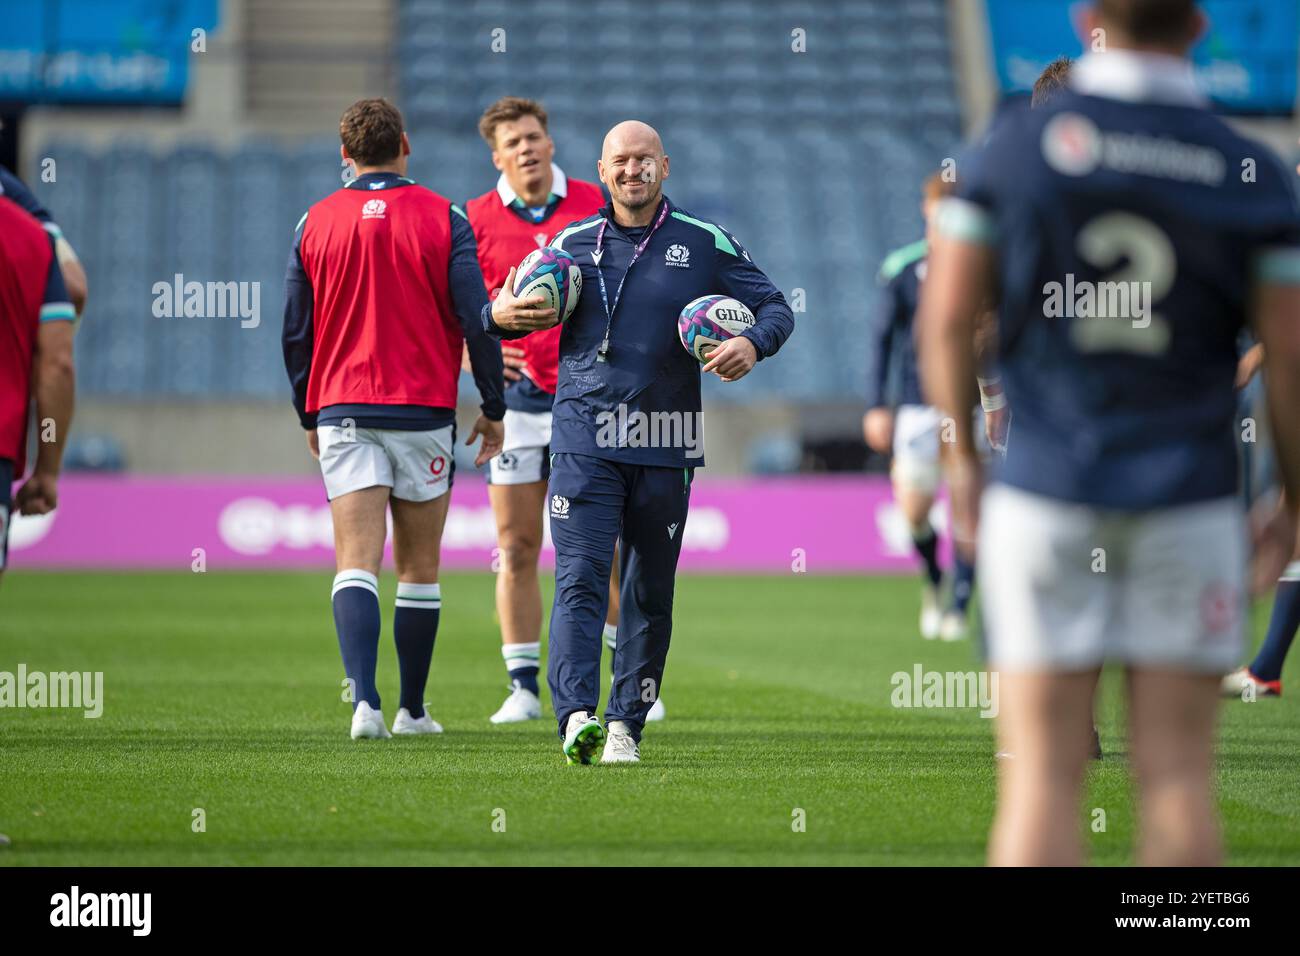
pixel 521 655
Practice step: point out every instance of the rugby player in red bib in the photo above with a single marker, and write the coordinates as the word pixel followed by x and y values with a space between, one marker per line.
pixel 383 288
pixel 36 327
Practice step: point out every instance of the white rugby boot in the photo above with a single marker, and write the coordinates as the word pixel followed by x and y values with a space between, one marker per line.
pixel 657 711
pixel 1242 683
pixel 404 723
pixel 583 736
pixel 620 747
pixel 368 723
pixel 521 705
pixel 931 612
pixel 953 626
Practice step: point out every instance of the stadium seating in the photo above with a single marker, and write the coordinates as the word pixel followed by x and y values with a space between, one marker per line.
pixel 813 159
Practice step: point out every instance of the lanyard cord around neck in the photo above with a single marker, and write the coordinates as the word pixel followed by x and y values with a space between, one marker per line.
pixel 603 352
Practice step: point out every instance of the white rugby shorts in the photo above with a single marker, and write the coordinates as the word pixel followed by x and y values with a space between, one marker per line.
pixel 525 456
pixel 1067 586
pixel 417 465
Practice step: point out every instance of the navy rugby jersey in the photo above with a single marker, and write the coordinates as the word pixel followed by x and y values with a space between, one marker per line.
pixel 1129 224
pixel 647 369
pixel 892 377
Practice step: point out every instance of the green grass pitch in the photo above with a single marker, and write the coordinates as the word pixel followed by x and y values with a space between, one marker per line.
pixel 222 692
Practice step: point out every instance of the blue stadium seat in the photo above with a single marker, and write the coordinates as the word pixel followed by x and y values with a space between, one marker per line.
pixel 814 160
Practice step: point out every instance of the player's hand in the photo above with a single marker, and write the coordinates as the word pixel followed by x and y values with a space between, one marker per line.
pixel 996 426
pixel 313 443
pixel 514 314
pixel 513 358
pixel 39 494
pixel 494 436
pixel 732 359
pixel 1274 543
pixel 878 430
pixel 1251 361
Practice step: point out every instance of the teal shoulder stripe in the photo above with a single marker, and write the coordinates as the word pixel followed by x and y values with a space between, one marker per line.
pixel 570 230
pixel 460 212
pixel 52 311
pixel 1279 265
pixel 720 239
pixel 301 221
pixel 966 221
pixel 900 259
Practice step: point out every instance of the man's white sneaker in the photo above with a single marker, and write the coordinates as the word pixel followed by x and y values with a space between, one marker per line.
pixel 368 723
pixel 953 626
pixel 521 705
pixel 657 711
pixel 620 747
pixel 1239 681
pixel 404 723
pixel 931 613
pixel 583 736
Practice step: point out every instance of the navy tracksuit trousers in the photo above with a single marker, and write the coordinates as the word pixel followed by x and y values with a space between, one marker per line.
pixel 594 502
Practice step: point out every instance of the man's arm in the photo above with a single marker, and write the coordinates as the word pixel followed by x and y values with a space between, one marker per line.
pixel 958 282
pixel 298 335
pixel 880 343
pixel 74 276
pixel 1277 321
pixel 738 277
pixel 465 280
pixel 53 385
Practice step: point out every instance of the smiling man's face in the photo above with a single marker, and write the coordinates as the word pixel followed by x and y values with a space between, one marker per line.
pixel 633 166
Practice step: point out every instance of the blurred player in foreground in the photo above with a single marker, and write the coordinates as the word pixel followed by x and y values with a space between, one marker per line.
pixel 36 331
pixel 628 365
pixel 997 413
pixel 910 429
pixel 532 199
pixel 1129 251
pixel 383 288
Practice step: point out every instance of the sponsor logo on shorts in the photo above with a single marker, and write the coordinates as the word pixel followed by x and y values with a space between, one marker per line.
pixel 436 468
pixel 1218 609
pixel 506 461
pixel 672 530
pixel 559 507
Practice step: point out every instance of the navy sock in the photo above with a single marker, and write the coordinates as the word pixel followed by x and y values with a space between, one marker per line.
pixel 522 663
pixel 1282 626
pixel 927 546
pixel 963 582
pixel 356 618
pixel 415 628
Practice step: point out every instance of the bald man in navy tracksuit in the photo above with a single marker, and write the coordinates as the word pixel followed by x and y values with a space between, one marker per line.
pixel 626 438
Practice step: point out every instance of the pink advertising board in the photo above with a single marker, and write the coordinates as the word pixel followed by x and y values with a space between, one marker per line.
pixel 746 524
